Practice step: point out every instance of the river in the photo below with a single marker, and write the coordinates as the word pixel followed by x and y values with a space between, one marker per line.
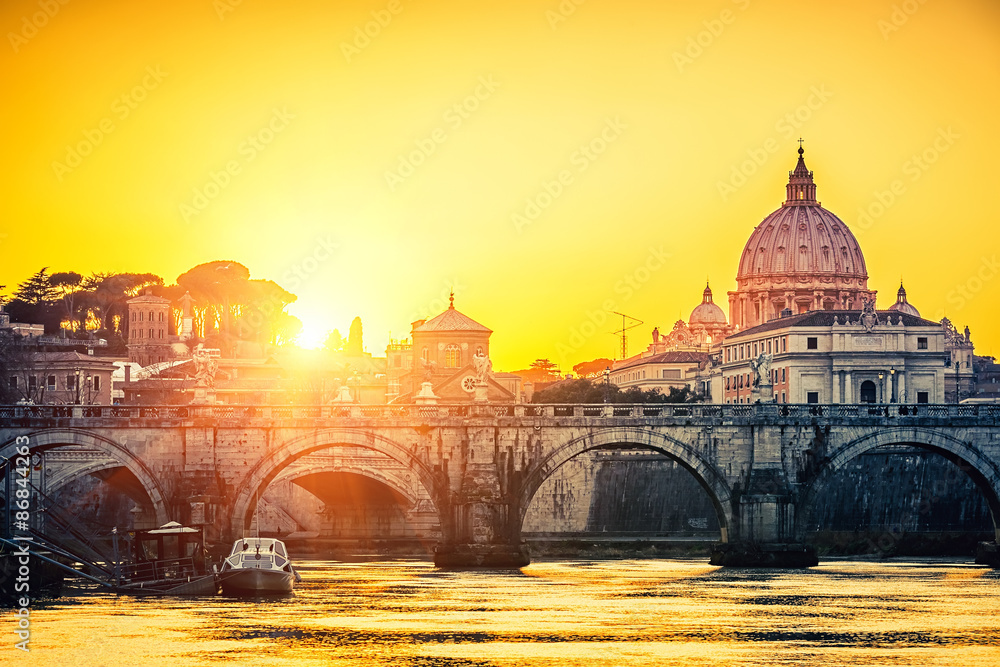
pixel 600 612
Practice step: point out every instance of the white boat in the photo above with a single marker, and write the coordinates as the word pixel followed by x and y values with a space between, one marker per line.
pixel 258 566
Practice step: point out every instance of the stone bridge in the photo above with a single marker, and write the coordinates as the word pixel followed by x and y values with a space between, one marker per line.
pixel 765 467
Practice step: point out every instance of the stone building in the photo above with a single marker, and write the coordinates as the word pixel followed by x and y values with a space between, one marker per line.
pixel 840 357
pixel 63 378
pixel 442 351
pixel 150 333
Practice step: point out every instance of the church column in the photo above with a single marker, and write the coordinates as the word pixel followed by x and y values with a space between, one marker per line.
pixel 848 397
pixel 836 386
pixel 901 389
pixel 888 387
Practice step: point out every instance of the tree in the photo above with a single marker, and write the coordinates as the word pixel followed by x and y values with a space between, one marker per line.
pixel 586 391
pixel 355 344
pixel 36 301
pixel 540 370
pixel 592 369
pixel 37 290
pixel 334 342
pixel 68 283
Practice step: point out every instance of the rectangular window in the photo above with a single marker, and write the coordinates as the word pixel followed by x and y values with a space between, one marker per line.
pixel 783 397
pixel 784 343
pixel 32 383
pixel 812 397
pixel 13 383
pixel 782 374
pixel 97 383
pixel 51 383
pixel 71 382
pixel 727 383
pixel 922 397
pixel 921 343
pixel 812 343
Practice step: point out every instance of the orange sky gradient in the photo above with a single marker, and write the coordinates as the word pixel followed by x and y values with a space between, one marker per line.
pixel 301 142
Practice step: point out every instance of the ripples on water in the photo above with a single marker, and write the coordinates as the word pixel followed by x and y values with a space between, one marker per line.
pixel 613 612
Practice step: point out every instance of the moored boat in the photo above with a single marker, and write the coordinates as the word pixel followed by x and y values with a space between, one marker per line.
pixel 258 566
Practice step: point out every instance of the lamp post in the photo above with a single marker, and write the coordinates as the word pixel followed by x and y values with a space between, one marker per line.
pixel 881 391
pixel 76 386
pixel 892 383
pixel 607 382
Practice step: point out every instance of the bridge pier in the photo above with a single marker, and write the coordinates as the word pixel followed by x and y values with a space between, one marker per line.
pixel 765 534
pixel 481 525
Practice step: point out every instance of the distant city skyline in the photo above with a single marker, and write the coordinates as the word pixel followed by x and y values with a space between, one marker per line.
pixel 541 163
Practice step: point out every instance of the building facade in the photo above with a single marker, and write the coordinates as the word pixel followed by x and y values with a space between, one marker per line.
pixel 840 357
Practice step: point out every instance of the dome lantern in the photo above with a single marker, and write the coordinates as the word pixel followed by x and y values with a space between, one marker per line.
pixel 800 191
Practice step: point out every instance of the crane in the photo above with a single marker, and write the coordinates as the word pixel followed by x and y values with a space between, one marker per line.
pixel 625 327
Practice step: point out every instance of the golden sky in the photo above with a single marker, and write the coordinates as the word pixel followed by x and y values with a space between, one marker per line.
pixel 371 173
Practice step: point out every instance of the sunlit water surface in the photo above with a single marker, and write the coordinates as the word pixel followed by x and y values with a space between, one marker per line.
pixel 611 612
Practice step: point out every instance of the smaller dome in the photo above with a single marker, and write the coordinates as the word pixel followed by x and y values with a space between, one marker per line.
pixel 707 313
pixel 902 305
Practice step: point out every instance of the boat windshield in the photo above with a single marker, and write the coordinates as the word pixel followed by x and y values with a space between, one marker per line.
pixel 261 545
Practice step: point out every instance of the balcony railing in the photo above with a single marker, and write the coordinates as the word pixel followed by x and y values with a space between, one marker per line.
pixel 695 411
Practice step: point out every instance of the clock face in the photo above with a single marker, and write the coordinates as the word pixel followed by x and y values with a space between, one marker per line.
pixel 469 383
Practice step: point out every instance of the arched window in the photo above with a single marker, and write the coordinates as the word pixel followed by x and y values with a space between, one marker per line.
pixel 452 356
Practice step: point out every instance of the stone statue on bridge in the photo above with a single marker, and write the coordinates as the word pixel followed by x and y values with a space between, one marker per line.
pixel 205 367
pixel 761 366
pixel 483 366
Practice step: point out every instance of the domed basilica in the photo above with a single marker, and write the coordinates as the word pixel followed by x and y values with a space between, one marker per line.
pixel 803 326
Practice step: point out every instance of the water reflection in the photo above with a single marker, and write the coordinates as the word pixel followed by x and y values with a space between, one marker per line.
pixel 554 613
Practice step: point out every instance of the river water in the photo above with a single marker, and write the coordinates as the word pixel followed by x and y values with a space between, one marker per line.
pixel 604 612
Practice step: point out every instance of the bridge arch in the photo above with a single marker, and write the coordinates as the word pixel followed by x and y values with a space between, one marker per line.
pixel 983 472
pixel 40 441
pixel 273 464
pixel 704 472
pixel 392 481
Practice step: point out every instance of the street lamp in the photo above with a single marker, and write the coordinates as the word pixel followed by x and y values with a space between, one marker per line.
pixel 892 382
pixel 607 382
pixel 881 391
pixel 76 386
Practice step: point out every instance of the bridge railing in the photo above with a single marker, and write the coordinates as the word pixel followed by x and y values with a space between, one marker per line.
pixel 590 410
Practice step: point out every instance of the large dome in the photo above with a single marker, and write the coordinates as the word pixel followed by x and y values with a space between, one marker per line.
pixel 802 239
pixel 802 257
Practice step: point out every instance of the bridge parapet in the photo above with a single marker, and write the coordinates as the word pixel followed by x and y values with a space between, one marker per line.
pixel 709 414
